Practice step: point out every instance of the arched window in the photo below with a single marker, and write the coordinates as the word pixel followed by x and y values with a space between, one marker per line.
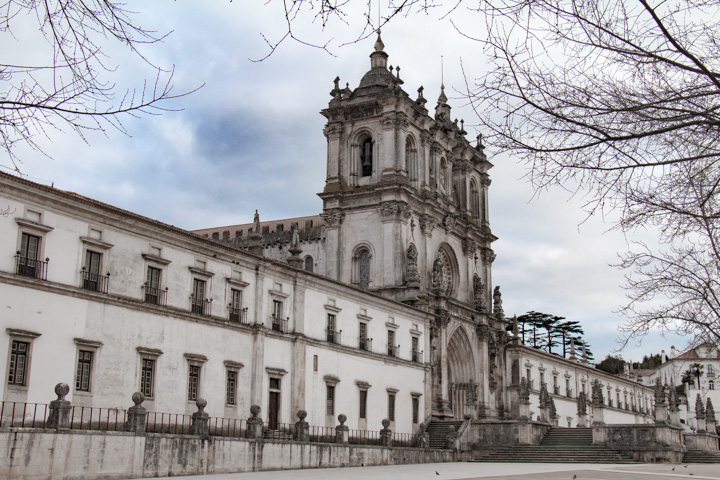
pixel 443 174
pixel 309 263
pixel 361 267
pixel 474 200
pixel 366 157
pixel 411 159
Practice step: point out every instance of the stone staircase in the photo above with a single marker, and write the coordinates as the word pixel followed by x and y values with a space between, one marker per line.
pixel 701 456
pixel 437 432
pixel 559 445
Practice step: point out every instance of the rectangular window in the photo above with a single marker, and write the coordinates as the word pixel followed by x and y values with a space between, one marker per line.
pixel 391 406
pixel 193 382
pixel 84 367
pixel 91 271
pixel 277 316
pixel 363 403
pixel 29 256
pixel 330 397
pixel 231 388
pixel 363 337
pixel 415 409
pixel 198 296
pixel 236 312
pixel 152 286
pixel 315 363
pixel 391 342
pixel 332 335
pixel 147 378
pixel 274 384
pixel 18 362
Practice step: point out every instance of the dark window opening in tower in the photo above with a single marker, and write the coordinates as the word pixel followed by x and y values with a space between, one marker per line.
pixel 366 159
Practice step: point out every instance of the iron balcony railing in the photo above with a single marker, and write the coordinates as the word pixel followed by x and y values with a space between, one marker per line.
pixel 393 350
pixel 332 336
pixel 417 356
pixel 200 306
pixel 279 324
pixel 238 315
pixel 156 296
pixel 94 281
pixel 365 344
pixel 31 267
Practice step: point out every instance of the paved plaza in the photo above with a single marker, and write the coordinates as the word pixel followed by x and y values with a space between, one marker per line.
pixel 468 471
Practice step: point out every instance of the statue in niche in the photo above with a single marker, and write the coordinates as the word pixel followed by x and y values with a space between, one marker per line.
pixel 411 269
pixel 478 294
pixel 471 393
pixel 497 304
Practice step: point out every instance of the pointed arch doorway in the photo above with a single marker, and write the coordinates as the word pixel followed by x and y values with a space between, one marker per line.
pixel 462 382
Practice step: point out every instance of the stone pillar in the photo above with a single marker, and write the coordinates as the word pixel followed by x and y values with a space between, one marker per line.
pixel 661 410
pixel 598 403
pixel 544 403
pixel 136 415
pixel 700 414
pixel 254 424
pixel 342 432
pixel 386 434
pixel 200 424
pixel 674 409
pixel 302 428
pixel 524 401
pixel 59 416
pixel 582 410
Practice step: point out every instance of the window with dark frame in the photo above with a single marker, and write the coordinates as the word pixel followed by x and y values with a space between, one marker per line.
pixel 330 400
pixel 363 337
pixel 391 342
pixel 18 362
pixel 235 305
pixel 366 157
pixel 29 255
pixel 198 296
pixel 331 322
pixel 84 367
pixel 415 408
pixel 363 403
pixel 147 378
pixel 152 285
pixel 391 406
pixel 91 271
pixel 231 388
pixel 193 382
pixel 309 263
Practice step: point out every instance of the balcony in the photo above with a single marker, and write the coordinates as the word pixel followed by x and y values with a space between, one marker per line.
pixel 393 350
pixel 365 344
pixel 279 324
pixel 95 282
pixel 200 306
pixel 417 356
pixel 156 296
pixel 332 336
pixel 238 315
pixel 31 267
pixel 556 389
pixel 569 393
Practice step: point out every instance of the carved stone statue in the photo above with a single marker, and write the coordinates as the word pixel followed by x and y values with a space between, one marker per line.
pixel 497 304
pixel 478 294
pixel 659 393
pixel 471 393
pixel 598 399
pixel 411 269
pixel 524 390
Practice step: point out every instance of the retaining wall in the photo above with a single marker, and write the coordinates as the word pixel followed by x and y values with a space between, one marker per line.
pixel 79 455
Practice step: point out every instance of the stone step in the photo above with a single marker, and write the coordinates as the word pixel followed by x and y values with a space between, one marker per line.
pixel 701 456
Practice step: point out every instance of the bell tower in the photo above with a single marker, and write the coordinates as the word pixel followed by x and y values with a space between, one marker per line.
pixel 405 197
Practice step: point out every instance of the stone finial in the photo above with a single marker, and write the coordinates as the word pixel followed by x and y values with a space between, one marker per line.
pixel 524 390
pixel 255 247
pixel 200 422
pixel 59 416
pixel 659 393
pixel 573 355
pixel 412 277
pixel 302 428
pixel 386 434
pixel 254 423
pixel 421 100
pixel 342 432
pixel 294 260
pixel 136 415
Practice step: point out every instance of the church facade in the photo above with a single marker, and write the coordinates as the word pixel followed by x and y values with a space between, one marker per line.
pixel 382 306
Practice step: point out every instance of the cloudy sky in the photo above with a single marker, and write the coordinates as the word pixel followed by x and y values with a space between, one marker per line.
pixel 251 138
